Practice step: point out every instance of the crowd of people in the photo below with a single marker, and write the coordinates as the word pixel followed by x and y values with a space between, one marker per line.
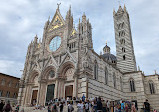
pixel 82 104
pixel 7 107
pixel 95 105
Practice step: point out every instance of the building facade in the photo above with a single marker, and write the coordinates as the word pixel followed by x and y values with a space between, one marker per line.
pixel 9 88
pixel 65 64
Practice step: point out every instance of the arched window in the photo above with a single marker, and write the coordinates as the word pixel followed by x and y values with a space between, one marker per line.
pixel 123 49
pixel 121 84
pixel 122 24
pixel 95 70
pixel 152 88
pixel 106 75
pixel 132 85
pixel 3 82
pixel 114 80
pixel 122 41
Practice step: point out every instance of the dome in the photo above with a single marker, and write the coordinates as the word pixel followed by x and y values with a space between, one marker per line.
pixel 110 58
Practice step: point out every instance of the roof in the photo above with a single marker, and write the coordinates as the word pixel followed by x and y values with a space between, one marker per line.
pixel 109 56
pixel 9 76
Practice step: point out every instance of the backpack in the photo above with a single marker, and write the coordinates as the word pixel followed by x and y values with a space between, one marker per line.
pixel 7 108
pixel 147 106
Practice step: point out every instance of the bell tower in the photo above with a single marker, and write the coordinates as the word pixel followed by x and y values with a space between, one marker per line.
pixel 124 45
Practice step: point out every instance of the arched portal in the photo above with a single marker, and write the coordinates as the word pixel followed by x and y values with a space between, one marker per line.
pixel 48 88
pixel 32 88
pixel 67 74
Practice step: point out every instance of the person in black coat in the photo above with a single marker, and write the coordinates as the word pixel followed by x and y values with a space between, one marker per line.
pixel 99 105
pixel 1 106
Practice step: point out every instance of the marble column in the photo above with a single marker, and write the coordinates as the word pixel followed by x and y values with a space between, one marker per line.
pixel 56 89
pixel 42 93
pixel 75 87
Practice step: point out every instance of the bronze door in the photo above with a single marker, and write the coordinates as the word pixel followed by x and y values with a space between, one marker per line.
pixel 69 91
pixel 34 97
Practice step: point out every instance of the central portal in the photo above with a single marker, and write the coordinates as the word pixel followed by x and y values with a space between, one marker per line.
pixel 69 91
pixel 50 93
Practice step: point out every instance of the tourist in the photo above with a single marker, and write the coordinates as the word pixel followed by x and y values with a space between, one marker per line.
pixel 83 98
pixel 108 106
pixel 90 106
pixel 87 106
pixel 7 107
pixel 133 109
pixel 116 108
pixel 17 108
pixel 80 106
pixel 154 110
pixel 146 106
pixel 70 107
pixel 49 107
pixel 119 107
pixel 122 106
pixel 61 107
pixel 94 105
pixel 104 106
pixel 1 106
pixel 99 105
pixel 126 107
pixel 54 107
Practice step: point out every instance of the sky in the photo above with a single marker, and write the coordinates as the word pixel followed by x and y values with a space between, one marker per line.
pixel 21 20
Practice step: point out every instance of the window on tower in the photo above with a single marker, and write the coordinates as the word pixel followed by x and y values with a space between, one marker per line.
pixel 122 24
pixel 132 85
pixel 123 49
pixel 152 88
pixel 124 57
pixel 122 41
pixel 95 70
pixel 123 33
pixel 114 80
pixel 106 75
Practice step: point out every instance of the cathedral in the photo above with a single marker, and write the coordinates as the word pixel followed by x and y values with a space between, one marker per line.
pixel 64 64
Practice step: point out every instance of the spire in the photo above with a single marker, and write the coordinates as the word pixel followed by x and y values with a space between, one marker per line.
pixel 70 8
pixel 124 8
pixel 114 12
pixel 68 15
pixel 83 17
pixel 49 18
pixel 35 38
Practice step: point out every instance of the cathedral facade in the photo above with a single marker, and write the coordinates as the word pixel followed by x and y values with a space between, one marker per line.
pixel 65 65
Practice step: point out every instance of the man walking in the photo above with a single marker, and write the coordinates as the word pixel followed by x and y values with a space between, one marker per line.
pixel 146 106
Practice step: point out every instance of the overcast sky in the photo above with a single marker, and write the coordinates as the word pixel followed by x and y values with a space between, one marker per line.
pixel 21 20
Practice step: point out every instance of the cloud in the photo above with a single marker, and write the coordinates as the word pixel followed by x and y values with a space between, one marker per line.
pixel 21 20
pixel 11 67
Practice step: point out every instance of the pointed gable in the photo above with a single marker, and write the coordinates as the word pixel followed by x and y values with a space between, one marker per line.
pixel 57 21
pixel 73 32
